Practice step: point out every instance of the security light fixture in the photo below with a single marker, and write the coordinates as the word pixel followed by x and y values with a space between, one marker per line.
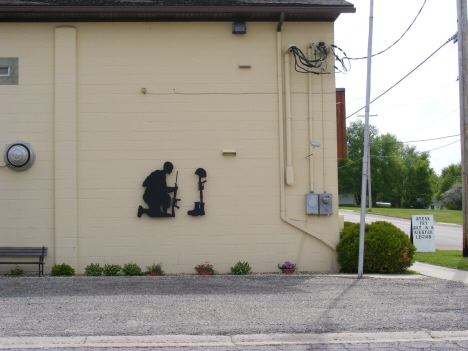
pixel 314 144
pixel 239 28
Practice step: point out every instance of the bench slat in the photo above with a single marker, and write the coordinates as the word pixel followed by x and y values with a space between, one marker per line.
pixel 23 251
pixel 30 262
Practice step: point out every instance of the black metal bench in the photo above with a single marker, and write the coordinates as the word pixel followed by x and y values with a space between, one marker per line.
pixel 25 251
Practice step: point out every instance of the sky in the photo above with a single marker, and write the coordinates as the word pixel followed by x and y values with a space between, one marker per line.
pixel 426 104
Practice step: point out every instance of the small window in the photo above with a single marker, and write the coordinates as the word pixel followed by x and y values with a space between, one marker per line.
pixel 4 71
pixel 9 70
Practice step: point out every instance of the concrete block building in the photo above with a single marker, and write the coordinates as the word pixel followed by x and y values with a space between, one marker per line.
pixel 103 93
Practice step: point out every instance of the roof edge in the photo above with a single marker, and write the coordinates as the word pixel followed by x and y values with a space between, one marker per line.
pixel 178 9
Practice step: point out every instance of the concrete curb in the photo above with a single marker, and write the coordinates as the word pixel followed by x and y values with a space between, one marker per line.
pixel 227 341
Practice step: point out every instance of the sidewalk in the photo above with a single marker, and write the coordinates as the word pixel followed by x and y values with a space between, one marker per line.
pixel 440 272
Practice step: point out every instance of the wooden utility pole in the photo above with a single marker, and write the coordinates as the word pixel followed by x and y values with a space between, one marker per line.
pixel 369 181
pixel 463 81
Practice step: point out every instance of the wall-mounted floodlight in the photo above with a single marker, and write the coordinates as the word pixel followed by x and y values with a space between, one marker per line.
pixel 19 156
pixel 314 144
pixel 239 28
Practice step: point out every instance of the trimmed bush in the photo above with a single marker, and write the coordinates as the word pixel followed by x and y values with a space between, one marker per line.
pixel 387 249
pixel 62 270
pixel 111 269
pixel 93 269
pixel 241 268
pixel 131 269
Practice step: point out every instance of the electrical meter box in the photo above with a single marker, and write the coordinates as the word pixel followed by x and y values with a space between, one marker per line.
pixel 312 204
pixel 325 204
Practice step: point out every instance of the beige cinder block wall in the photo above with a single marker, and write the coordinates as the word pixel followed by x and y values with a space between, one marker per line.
pixel 97 138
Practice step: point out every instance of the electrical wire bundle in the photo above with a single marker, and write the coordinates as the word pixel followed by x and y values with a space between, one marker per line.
pixel 319 60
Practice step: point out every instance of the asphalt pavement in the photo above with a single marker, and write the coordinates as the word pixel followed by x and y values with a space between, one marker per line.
pixel 224 312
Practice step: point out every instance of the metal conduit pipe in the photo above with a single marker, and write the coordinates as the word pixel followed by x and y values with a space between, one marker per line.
pixel 311 148
pixel 281 150
pixel 287 87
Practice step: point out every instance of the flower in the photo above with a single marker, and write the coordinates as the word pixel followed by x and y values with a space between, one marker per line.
pixel 287 265
pixel 204 267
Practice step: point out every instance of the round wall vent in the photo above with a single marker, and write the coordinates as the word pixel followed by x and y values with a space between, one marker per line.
pixel 20 156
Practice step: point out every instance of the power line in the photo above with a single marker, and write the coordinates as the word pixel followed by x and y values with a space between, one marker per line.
pixel 403 142
pixel 406 31
pixel 386 91
pixel 417 141
pixel 402 156
pixel 442 146
pixel 349 164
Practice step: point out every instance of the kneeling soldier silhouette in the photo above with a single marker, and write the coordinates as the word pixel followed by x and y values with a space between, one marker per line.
pixel 157 194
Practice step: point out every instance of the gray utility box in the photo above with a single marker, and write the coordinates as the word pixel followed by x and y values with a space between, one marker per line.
pixel 312 206
pixel 319 204
pixel 325 204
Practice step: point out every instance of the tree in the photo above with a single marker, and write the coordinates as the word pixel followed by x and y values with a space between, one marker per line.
pixel 385 164
pixel 450 175
pixel 417 186
pixel 453 198
pixel 400 175
pixel 350 169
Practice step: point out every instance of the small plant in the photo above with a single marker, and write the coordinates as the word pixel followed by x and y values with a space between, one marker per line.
pixel 155 269
pixel 131 269
pixel 241 268
pixel 16 271
pixel 111 269
pixel 62 270
pixel 205 267
pixel 287 265
pixel 93 269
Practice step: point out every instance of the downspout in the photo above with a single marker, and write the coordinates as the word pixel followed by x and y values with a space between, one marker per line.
pixel 287 86
pixel 311 148
pixel 281 145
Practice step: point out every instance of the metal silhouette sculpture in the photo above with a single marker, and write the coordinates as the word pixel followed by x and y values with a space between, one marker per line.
pixel 157 194
pixel 199 209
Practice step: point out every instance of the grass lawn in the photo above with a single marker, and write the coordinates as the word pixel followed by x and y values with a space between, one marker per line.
pixel 445 258
pixel 446 216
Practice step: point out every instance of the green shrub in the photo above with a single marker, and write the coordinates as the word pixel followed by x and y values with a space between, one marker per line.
pixel 16 271
pixel 62 269
pixel 346 225
pixel 93 269
pixel 154 268
pixel 241 268
pixel 111 269
pixel 387 249
pixel 131 269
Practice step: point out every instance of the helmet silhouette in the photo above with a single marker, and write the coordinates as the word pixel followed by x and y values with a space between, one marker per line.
pixel 200 172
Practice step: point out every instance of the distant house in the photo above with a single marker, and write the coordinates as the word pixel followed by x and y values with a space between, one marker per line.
pixel 347 200
pixel 435 205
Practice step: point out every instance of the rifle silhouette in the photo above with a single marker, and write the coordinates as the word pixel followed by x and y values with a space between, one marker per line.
pixel 174 197
pixel 199 209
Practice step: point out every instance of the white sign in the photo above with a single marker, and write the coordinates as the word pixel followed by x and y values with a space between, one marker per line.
pixel 422 229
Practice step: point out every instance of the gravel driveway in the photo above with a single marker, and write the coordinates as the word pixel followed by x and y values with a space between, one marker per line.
pixel 225 305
